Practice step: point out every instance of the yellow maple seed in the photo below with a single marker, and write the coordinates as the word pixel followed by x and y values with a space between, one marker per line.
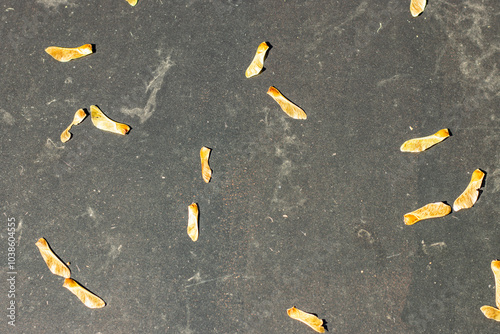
pixel 192 229
pixel 288 107
pixel 469 197
pixel 491 312
pixel 88 298
pixel 257 63
pixel 206 172
pixel 495 267
pixel 432 210
pixel 417 7
pixel 67 54
pixel 77 119
pixel 56 266
pixel 307 318
pixel 80 115
pixel 423 143
pixel 132 2
pixel 66 135
pixel 102 122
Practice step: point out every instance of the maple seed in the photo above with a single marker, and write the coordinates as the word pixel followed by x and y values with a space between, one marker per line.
pixel 67 54
pixel 257 63
pixel 288 107
pixel 307 318
pixel 192 229
pixel 417 7
pixel 102 122
pixel 88 298
pixel 421 144
pixel 80 115
pixel 206 172
pixel 432 210
pixel 56 266
pixel 491 312
pixel 469 197
pixel 495 267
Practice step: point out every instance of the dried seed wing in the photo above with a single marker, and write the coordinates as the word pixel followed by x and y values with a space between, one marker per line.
pixel 206 172
pixel 66 135
pixel 257 63
pixel 432 210
pixel 67 54
pixel 417 7
pixel 423 143
pixel 56 266
pixel 80 115
pixel 309 319
pixel 192 228
pixel 288 107
pixel 491 312
pixel 77 119
pixel 88 298
pixel 495 267
pixel 469 197
pixel 132 2
pixel 102 122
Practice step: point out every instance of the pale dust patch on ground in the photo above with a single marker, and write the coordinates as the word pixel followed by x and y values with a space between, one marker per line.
pixel 6 117
pixel 152 88
pixel 287 194
pixel 54 3
pixel 467 26
pixel 359 27
pixel 50 152
pixel 495 180
pixel 115 247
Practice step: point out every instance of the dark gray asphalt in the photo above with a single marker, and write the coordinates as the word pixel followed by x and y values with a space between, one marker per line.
pixel 306 213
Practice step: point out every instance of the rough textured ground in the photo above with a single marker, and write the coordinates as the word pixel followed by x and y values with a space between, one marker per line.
pixel 306 213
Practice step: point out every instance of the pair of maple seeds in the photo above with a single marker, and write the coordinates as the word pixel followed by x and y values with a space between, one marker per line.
pixel 99 120
pixel 59 268
pixel 439 209
pixel 193 212
pixel 491 312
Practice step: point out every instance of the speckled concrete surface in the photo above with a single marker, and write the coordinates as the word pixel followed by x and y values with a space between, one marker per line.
pixel 299 212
